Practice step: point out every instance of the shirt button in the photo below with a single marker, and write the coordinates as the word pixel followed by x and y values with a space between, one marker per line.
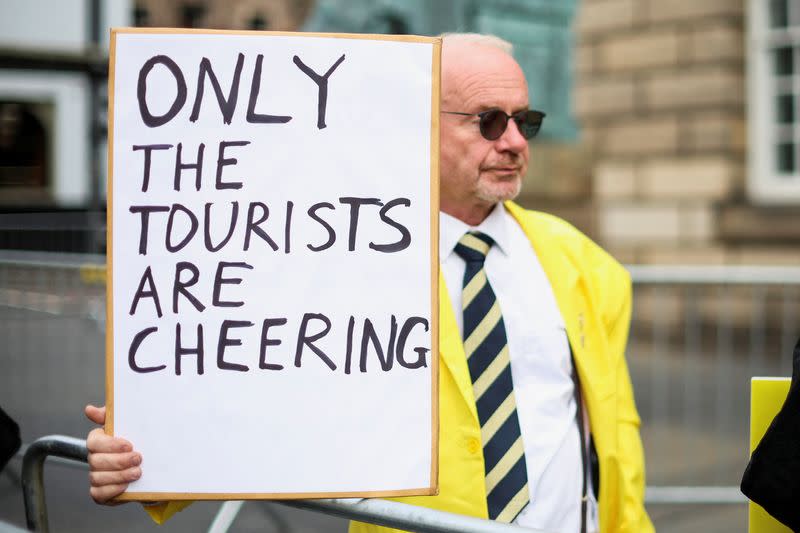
pixel 473 445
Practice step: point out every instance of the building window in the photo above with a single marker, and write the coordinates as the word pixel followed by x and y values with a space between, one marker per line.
pixel 257 22
pixel 24 145
pixel 773 106
pixel 141 17
pixel 193 16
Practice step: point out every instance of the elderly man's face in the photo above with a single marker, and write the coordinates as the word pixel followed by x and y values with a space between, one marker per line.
pixel 477 173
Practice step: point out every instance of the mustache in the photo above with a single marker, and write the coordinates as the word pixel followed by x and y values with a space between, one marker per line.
pixel 515 163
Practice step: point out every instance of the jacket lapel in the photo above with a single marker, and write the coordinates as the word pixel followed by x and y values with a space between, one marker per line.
pixel 451 348
pixel 572 300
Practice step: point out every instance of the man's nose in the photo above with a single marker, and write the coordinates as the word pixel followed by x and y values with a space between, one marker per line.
pixel 512 139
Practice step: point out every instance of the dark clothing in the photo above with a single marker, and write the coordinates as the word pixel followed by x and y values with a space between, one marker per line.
pixel 9 438
pixel 772 478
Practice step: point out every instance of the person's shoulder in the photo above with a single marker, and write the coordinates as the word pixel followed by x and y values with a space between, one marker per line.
pixel 555 233
pixel 546 224
pixel 601 272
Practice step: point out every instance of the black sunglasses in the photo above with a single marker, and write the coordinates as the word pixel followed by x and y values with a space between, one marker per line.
pixel 493 123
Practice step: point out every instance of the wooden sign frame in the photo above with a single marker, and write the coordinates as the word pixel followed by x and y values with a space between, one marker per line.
pixel 432 489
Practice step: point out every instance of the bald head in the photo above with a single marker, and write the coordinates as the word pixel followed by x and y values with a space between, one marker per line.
pixel 478 38
pixel 466 59
pixel 479 74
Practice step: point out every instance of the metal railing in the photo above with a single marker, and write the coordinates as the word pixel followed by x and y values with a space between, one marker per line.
pixel 698 334
pixel 33 474
pixel 74 231
pixel 375 511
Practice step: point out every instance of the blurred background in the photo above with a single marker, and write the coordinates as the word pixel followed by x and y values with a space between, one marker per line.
pixel 672 139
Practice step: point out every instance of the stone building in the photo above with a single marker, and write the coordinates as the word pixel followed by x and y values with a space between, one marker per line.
pixel 223 14
pixel 53 58
pixel 686 145
pixel 663 169
pixel 688 151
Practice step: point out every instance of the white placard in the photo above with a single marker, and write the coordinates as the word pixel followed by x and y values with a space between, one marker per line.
pixel 272 223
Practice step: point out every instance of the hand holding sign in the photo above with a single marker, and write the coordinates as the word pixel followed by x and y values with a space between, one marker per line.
pixel 113 463
pixel 272 249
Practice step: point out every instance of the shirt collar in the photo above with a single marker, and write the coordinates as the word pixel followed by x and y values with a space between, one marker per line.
pixel 452 229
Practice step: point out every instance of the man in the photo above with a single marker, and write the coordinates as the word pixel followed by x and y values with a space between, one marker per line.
pixel 526 299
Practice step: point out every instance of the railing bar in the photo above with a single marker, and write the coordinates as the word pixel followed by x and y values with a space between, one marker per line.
pixel 757 357
pixel 224 518
pixel 61 461
pixel 383 512
pixel 714 275
pixel 694 495
pixel 404 516
pixel 722 374
pixel 640 274
pixel 53 260
pixel 653 494
pixel 33 474
pixel 650 274
pixel 656 397
pixel 692 350
pixel 788 328
pixel 279 522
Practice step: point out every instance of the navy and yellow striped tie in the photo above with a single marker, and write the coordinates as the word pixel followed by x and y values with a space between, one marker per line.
pixel 486 348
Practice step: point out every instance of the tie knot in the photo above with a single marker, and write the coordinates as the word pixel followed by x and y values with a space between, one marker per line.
pixel 474 246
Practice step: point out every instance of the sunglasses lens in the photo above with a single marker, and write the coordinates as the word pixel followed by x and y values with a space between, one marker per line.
pixel 529 123
pixel 493 124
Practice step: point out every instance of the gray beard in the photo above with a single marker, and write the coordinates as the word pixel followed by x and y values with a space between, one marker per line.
pixel 493 197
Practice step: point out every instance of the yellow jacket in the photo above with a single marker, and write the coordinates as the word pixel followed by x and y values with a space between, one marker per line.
pixel 594 296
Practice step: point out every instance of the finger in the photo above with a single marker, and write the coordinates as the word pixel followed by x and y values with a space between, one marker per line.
pixel 99 442
pixel 96 414
pixel 105 493
pixel 114 461
pixel 120 477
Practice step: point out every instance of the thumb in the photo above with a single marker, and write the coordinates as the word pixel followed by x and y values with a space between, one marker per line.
pixel 96 414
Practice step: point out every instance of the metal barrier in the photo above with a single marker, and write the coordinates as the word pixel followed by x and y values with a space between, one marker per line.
pixel 73 231
pixel 697 335
pixel 33 474
pixel 375 511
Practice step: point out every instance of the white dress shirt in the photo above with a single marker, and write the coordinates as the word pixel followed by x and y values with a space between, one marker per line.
pixel 541 367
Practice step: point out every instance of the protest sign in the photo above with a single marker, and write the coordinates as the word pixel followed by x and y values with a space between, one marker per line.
pixel 273 286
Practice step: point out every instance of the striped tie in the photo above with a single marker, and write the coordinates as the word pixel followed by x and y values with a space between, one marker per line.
pixel 486 348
